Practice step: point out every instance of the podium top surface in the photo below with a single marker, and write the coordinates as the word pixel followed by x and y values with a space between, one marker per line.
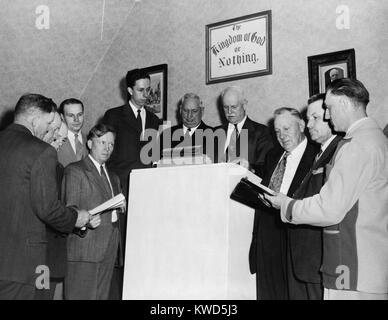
pixel 233 169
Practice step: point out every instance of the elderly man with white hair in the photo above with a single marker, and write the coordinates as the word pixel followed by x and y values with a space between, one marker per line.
pixel 247 142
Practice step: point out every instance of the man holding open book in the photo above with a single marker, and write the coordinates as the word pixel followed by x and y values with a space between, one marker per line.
pixel 88 184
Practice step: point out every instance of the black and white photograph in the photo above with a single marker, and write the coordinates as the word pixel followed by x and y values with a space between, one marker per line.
pixel 193 158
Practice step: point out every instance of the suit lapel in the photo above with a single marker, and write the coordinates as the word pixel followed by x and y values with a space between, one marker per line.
pixel 95 177
pixel 328 153
pixel 129 118
pixel 303 168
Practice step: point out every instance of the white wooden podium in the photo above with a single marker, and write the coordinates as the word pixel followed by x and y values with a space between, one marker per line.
pixel 186 239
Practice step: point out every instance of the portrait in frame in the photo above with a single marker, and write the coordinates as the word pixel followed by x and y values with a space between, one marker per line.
pixel 157 100
pixel 325 68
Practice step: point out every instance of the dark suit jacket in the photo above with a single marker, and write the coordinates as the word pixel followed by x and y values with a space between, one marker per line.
pixel 196 139
pixel 84 187
pixel 259 143
pixel 56 247
pixel 268 251
pixel 126 153
pixel 28 202
pixel 66 153
pixel 306 241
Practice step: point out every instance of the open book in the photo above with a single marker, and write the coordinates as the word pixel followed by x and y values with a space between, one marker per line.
pixel 247 191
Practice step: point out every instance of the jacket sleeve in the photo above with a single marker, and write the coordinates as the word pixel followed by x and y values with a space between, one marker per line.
pixel 353 169
pixel 44 194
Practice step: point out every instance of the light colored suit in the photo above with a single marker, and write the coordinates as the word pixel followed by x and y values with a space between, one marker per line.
pixel 66 154
pixel 91 258
pixel 352 206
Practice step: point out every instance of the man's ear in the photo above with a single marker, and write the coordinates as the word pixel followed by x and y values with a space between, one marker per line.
pixel 130 90
pixel 302 125
pixel 89 144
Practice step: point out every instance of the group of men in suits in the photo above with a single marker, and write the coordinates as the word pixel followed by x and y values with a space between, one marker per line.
pixel 289 250
pixel 351 206
pixel 29 199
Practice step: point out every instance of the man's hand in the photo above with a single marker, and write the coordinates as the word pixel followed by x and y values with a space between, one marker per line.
pixel 123 208
pixel 277 200
pixel 82 219
pixel 94 222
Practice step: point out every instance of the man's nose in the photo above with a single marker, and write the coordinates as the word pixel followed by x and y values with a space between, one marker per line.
pixel 327 114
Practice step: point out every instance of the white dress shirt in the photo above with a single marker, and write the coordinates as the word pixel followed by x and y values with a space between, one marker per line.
pixel 98 167
pixel 71 137
pixel 192 130
pixel 231 129
pixel 292 164
pixel 143 117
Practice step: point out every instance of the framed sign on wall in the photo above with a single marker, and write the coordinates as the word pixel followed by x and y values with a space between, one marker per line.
pixel 239 48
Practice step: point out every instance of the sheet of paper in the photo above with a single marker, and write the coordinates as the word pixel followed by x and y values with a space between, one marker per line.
pixel 113 203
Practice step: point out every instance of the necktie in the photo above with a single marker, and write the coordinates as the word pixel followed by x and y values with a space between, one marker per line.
pixel 232 152
pixel 78 147
pixel 108 187
pixel 318 155
pixel 187 134
pixel 139 121
pixel 277 176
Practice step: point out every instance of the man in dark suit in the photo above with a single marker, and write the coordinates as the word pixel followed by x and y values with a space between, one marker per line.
pixel 132 123
pixel 193 131
pixel 246 142
pixel 74 148
pixel 87 184
pixel 56 241
pixel 29 198
pixel 304 241
pixel 284 169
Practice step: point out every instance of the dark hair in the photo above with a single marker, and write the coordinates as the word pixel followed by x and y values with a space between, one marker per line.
pixel 134 75
pixel 292 111
pixel 31 102
pixel 67 102
pixel 316 97
pixel 351 88
pixel 99 130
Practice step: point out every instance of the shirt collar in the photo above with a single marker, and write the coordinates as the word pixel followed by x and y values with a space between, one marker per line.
pixel 239 125
pixel 71 135
pixel 192 130
pixel 299 150
pixel 134 109
pixel 353 127
pixel 327 142
pixel 96 164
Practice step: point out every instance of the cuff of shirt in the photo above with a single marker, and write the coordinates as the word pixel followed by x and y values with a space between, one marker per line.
pixel 286 210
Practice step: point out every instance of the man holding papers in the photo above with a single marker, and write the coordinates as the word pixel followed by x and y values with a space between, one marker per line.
pixel 88 184
pixel 284 169
pixel 352 204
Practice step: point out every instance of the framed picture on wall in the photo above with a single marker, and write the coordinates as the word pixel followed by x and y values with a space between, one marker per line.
pixel 239 48
pixel 325 68
pixel 157 101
